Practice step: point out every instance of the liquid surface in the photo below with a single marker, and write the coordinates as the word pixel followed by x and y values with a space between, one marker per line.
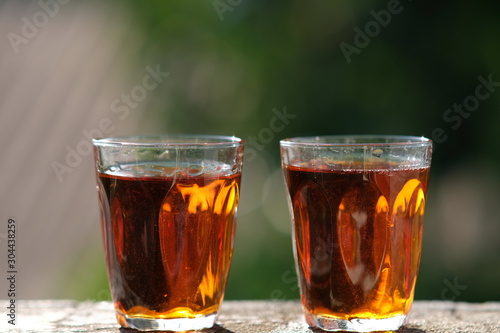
pixel 357 236
pixel 168 242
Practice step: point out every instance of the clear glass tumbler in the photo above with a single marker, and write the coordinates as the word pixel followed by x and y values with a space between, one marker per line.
pixel 168 211
pixel 357 205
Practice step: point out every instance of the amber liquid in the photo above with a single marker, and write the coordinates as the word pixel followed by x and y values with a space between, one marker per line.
pixel 168 242
pixel 358 237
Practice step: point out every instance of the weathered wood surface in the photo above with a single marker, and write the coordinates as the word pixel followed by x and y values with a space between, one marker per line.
pixel 243 317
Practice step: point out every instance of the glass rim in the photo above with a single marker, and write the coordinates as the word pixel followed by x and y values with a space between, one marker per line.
pixel 357 141
pixel 169 140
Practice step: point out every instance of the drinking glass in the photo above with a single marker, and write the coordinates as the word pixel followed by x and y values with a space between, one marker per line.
pixel 168 207
pixel 357 205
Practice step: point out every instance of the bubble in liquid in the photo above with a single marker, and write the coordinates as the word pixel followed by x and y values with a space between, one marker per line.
pixel 195 170
pixel 377 152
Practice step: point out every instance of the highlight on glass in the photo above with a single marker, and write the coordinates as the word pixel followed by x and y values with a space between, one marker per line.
pixel 357 205
pixel 168 216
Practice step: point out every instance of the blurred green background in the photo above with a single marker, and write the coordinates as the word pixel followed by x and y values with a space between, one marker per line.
pixel 232 63
pixel 235 65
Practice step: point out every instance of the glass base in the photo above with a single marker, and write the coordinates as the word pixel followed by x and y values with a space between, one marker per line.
pixel 173 324
pixel 356 324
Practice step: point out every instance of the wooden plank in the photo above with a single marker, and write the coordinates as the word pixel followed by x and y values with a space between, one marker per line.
pixel 242 316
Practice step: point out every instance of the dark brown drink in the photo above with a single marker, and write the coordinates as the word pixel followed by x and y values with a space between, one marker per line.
pixel 358 235
pixel 168 242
